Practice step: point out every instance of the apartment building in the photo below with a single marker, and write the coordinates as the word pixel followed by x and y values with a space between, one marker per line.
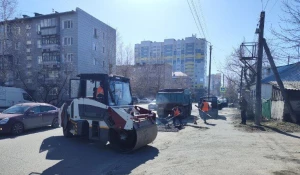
pixel 54 45
pixel 186 55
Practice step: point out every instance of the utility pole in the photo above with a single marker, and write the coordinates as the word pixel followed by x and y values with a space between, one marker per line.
pixel 279 82
pixel 288 60
pixel 259 67
pixel 209 70
pixel 241 83
pixel 223 81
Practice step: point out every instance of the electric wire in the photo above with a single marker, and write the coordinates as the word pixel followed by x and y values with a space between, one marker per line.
pixel 266 5
pixel 192 2
pixel 193 17
pixel 204 21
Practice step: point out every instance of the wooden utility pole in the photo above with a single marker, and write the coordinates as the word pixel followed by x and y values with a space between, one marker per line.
pixel 259 67
pixel 209 71
pixel 241 83
pixel 279 82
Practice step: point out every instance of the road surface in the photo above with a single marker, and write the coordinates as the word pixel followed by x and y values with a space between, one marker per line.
pixel 216 148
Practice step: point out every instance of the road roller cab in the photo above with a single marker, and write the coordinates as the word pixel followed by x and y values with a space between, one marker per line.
pixel 101 109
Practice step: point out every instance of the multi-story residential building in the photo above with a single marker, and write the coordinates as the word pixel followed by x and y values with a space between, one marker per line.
pixel 187 55
pixel 53 46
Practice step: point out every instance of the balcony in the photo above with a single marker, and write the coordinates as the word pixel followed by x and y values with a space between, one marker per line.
pixel 50 47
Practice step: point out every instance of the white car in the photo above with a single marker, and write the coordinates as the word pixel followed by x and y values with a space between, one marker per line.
pixel 145 100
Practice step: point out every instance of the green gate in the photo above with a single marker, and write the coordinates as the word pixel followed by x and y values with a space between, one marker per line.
pixel 266 109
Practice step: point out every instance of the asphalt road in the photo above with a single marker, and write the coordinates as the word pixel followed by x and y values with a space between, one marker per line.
pixel 216 148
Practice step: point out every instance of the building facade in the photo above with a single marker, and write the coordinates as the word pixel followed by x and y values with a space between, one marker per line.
pixel 215 84
pixel 187 55
pixel 55 46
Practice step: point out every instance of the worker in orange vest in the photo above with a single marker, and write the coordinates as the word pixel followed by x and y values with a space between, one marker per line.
pixel 99 93
pixel 177 115
pixel 204 108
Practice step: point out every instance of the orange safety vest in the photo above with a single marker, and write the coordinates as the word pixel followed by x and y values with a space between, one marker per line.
pixel 205 107
pixel 176 112
pixel 100 91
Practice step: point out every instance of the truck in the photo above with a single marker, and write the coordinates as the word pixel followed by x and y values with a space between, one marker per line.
pixel 10 96
pixel 167 99
pixel 110 118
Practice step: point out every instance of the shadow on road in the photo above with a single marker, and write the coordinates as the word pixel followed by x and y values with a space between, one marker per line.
pixel 220 117
pixel 281 132
pixel 196 126
pixel 26 132
pixel 80 156
pixel 210 124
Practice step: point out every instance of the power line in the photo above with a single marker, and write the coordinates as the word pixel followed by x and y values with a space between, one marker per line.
pixel 198 18
pixel 193 17
pixel 201 13
pixel 273 6
pixel 266 5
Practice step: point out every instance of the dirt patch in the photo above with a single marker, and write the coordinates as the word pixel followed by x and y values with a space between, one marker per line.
pixel 266 125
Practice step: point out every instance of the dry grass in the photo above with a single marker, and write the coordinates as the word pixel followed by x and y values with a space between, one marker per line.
pixel 266 125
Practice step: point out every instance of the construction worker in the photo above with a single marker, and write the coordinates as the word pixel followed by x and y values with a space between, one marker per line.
pixel 177 115
pixel 99 93
pixel 204 108
pixel 243 106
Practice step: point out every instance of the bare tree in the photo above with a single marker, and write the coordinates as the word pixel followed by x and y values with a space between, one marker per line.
pixel 288 36
pixel 7 12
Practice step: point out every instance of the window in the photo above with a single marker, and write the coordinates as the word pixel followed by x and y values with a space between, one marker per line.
pixel 40 59
pixel 29 73
pixel 28 65
pixel 103 63
pixel 47 108
pixel 53 74
pixel 68 41
pixel 28 42
pixel 67 24
pixel 28 50
pixel 17 30
pixel 94 46
pixel 94 61
pixel 27 97
pixel 28 34
pixel 29 57
pixel 103 49
pixel 95 32
pixel 68 57
pixel 17 45
pixel 8 29
pixel 38 44
pixel 50 40
pixel 36 109
pixel 28 26
pixel 38 29
pixel 29 81
pixel 51 56
pixel 48 22
pixel 103 35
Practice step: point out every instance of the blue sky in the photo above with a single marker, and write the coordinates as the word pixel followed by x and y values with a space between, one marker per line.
pixel 228 22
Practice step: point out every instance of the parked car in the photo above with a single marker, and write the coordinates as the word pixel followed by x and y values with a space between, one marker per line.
pixel 152 105
pixel 145 100
pixel 25 116
pixel 135 100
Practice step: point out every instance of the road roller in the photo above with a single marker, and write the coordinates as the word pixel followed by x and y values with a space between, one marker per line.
pixel 101 108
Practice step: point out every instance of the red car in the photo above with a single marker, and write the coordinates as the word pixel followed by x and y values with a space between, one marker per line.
pixel 25 116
